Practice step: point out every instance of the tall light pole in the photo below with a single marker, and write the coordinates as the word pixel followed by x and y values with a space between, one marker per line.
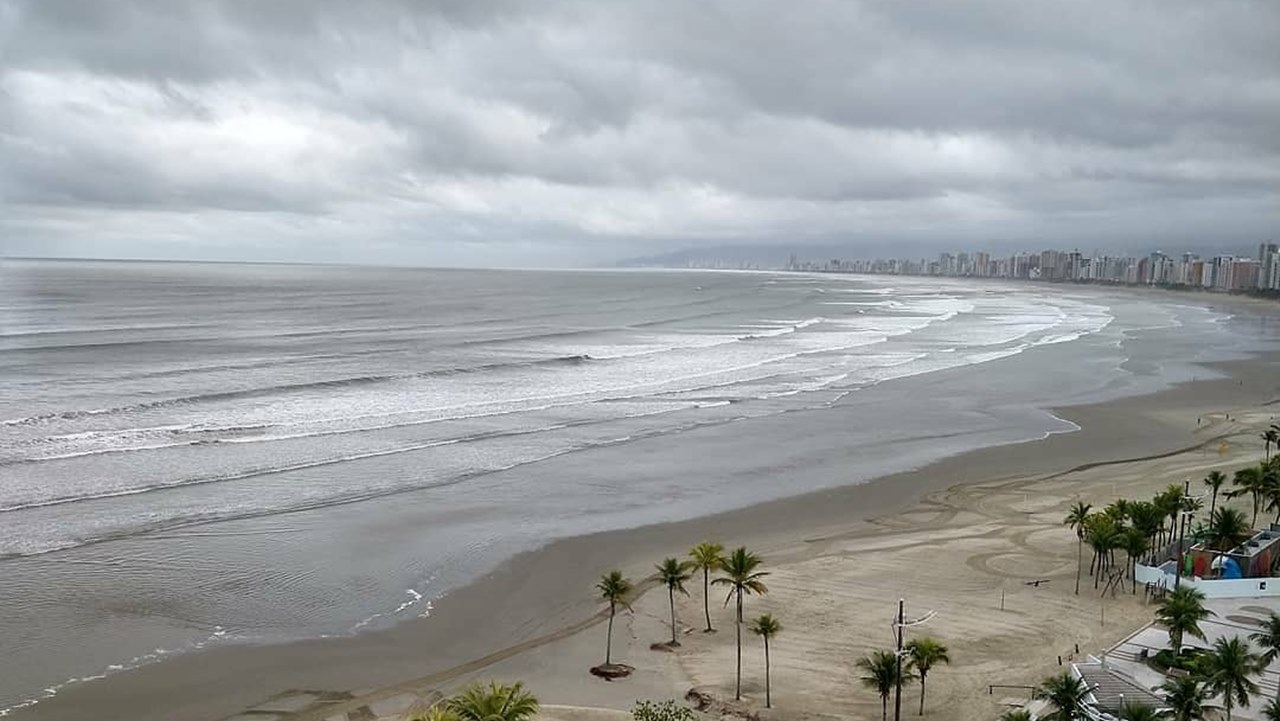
pixel 1182 529
pixel 898 629
pixel 900 624
pixel 1183 521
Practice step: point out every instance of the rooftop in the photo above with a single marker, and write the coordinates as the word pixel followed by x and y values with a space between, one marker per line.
pixel 1112 689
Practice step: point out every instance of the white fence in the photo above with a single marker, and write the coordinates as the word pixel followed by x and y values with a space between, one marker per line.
pixel 1212 588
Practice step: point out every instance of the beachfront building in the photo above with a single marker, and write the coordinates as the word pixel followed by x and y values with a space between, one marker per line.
pixel 1110 690
pixel 1269 266
pixel 1242 572
pixel 1255 558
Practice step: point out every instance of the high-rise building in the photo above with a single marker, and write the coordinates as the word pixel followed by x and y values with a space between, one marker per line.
pixel 1269 266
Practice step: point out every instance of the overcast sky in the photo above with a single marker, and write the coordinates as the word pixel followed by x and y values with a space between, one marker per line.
pixel 560 133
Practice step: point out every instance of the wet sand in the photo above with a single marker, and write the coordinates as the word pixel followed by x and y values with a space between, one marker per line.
pixel 505 623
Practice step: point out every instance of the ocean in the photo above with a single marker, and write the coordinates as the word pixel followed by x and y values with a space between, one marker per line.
pixel 199 454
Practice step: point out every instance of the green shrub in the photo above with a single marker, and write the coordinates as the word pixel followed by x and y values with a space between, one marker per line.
pixel 661 711
pixel 1164 660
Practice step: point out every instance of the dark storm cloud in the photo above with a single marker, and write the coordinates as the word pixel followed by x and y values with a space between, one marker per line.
pixel 570 130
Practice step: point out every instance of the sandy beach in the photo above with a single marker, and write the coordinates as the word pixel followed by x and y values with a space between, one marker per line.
pixel 953 537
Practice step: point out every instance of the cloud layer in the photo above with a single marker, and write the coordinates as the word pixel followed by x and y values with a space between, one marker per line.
pixel 568 132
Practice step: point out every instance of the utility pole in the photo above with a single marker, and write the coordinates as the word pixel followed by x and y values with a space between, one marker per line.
pixel 900 624
pixel 899 628
pixel 1183 516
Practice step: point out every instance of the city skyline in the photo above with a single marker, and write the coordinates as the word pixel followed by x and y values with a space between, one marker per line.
pixel 1222 272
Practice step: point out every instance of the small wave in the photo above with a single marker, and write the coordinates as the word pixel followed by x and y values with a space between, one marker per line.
pixel 219 634
pixel 414 599
pixel 318 463
pixel 785 330
pixel 289 388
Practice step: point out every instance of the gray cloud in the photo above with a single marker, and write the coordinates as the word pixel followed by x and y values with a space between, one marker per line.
pixel 478 131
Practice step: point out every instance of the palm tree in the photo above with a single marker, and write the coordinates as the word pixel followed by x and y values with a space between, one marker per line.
pixel 1170 500
pixel 1181 612
pixel 1102 533
pixel 1075 520
pixel 881 673
pixel 1214 481
pixel 613 587
pixel 1271 712
pixel 1228 671
pixel 1117 510
pixel 1249 480
pixel 1269 639
pixel 766 627
pixel 925 653
pixel 1016 714
pixel 439 712
pixel 742 578
pixel 495 702
pixel 673 572
pixel 707 556
pixel 1185 698
pixel 1146 518
pixel 1139 712
pixel 1227 529
pixel 1065 693
pixel 1134 542
pixel 1271 488
pixel 1269 437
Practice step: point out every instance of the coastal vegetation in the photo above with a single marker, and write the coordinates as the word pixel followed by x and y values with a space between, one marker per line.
pixel 1076 519
pixel 1228 671
pixel 1139 712
pixel 1214 481
pixel 742 578
pixel 673 572
pixel 1186 698
pixel 614 588
pixel 1180 613
pixel 880 673
pixel 766 627
pixel 1268 639
pixel 661 711
pixel 740 573
pixel 1149 530
pixel 1065 694
pixel 484 702
pixel 925 653
pixel 707 557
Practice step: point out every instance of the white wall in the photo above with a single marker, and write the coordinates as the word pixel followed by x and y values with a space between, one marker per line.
pixel 1217 588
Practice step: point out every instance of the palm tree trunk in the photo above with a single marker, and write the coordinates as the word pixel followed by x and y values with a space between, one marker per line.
pixel 608 644
pixel 1079 561
pixel 1213 504
pixel 737 692
pixel 706 594
pixel 922 694
pixel 671 596
pixel 884 708
pixel 768 695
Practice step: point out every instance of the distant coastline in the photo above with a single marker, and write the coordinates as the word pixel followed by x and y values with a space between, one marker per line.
pixel 1270 294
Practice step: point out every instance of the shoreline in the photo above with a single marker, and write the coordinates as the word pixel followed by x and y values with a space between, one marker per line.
pixel 530 600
